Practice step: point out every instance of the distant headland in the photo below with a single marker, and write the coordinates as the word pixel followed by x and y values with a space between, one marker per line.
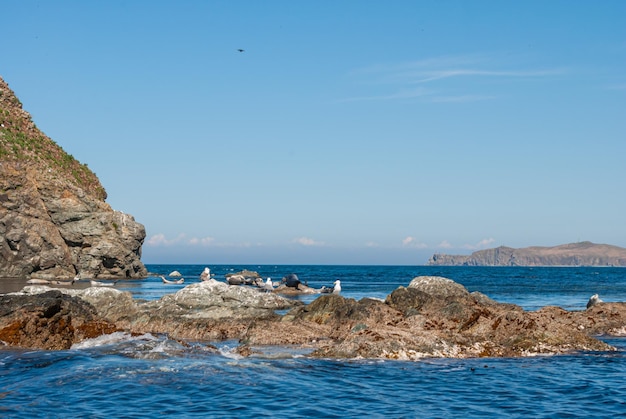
pixel 573 254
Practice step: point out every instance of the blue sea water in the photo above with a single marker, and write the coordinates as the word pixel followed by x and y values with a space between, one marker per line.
pixel 148 376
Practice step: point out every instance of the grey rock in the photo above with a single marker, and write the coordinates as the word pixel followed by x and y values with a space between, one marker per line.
pixel 214 299
pixel 438 287
pixel 54 220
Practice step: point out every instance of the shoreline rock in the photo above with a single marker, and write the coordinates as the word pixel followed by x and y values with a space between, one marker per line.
pixel 431 317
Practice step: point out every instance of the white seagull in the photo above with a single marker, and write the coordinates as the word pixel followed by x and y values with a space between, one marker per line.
pixel 269 285
pixel 102 284
pixel 337 287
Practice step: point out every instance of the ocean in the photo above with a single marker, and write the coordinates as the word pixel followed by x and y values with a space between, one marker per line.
pixel 147 376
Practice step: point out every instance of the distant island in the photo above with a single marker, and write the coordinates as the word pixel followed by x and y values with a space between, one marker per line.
pixel 573 254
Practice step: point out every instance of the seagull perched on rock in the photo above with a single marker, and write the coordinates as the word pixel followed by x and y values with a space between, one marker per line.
pixel 102 284
pixel 595 299
pixel 206 274
pixel 337 287
pixel 268 285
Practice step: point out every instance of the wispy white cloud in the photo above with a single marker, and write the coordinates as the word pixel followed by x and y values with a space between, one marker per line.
pixel 486 242
pixel 160 240
pixel 445 244
pixel 461 98
pixel 410 241
pixel 428 76
pixel 431 70
pixel 204 241
pixel 618 87
pixel 483 244
pixel 181 240
pixel 449 66
pixel 401 94
pixel 306 241
pixel 371 244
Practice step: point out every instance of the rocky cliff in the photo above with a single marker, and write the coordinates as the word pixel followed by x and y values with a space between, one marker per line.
pixel 574 254
pixel 54 221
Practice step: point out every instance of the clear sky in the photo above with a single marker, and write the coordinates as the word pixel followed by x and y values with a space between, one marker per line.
pixel 346 132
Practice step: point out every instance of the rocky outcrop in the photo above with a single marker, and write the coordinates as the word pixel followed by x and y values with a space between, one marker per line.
pixel 574 254
pixel 435 317
pixel 431 317
pixel 206 310
pixel 54 222
pixel 50 320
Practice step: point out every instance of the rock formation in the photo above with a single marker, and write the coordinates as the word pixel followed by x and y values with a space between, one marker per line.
pixel 50 320
pixel 54 221
pixel 574 254
pixel 432 317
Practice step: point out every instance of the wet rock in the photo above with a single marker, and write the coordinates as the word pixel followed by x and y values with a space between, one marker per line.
pixel 50 320
pixel 432 317
pixel 109 303
pixel 434 297
pixel 206 310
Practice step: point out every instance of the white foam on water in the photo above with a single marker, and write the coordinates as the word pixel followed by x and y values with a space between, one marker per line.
pixel 226 350
pixel 110 339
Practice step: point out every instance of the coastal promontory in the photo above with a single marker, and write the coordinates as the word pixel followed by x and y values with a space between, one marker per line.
pixel 54 221
pixel 573 254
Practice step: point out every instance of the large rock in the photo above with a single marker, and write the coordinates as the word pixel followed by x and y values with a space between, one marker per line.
pixel 217 300
pixel 54 222
pixel 205 310
pixel 49 320
pixel 436 317
pixel 110 304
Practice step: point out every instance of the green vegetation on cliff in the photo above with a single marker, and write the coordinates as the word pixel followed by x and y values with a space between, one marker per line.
pixel 22 141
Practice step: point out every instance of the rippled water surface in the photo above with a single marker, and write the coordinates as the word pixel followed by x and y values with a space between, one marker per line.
pixel 148 376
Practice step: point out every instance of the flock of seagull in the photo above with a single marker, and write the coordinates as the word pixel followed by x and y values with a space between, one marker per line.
pixel 69 283
pixel 267 285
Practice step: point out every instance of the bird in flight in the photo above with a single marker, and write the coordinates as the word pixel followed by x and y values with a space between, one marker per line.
pixel 241 50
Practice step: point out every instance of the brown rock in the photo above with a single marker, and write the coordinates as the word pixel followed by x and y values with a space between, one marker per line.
pixel 51 320
pixel 433 317
pixel 53 217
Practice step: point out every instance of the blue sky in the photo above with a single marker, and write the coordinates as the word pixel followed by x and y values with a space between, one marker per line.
pixel 347 132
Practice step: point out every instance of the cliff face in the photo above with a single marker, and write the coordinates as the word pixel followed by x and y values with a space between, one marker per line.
pixel 574 254
pixel 54 222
